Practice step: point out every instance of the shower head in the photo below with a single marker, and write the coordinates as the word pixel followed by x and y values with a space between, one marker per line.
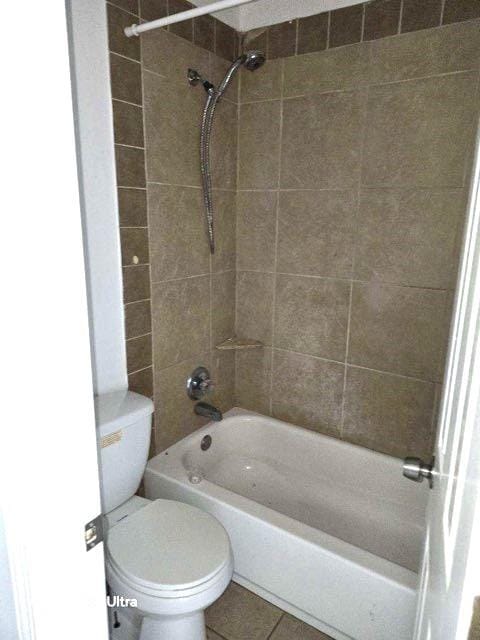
pixel 253 60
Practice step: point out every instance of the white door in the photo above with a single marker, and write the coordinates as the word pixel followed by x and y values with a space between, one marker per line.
pixel 451 567
pixel 50 586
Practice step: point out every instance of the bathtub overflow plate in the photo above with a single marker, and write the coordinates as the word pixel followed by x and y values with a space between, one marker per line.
pixel 205 443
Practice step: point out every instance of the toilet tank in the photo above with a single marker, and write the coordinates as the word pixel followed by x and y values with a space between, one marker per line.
pixel 123 421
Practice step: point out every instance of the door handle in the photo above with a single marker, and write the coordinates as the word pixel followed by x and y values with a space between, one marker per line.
pixel 416 469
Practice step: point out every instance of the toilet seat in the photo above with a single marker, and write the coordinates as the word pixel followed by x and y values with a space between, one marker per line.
pixel 169 549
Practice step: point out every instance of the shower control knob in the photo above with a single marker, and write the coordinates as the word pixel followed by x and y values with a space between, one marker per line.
pixel 416 469
pixel 199 383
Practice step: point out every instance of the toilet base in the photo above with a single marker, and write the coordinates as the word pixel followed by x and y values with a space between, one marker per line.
pixel 187 627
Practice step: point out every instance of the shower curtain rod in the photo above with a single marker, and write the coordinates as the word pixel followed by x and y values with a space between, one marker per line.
pixel 137 29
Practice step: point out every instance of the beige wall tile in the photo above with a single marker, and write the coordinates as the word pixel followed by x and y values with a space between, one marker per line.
pixel 316 232
pixel 255 306
pixel 204 32
pixel 134 245
pixel 457 10
pixel 398 329
pixel 172 116
pixel 130 164
pixel 126 79
pixel 421 15
pixel 425 53
pixel 174 416
pixel 263 84
pixel 307 391
pixel 259 145
pixel 332 70
pixel 138 318
pixel 177 232
pixel 311 316
pixel 281 40
pixel 128 123
pixel 117 42
pixel 128 5
pixel 136 283
pixel 409 236
pixel 132 207
pixel 256 228
pixel 224 146
pixel 181 319
pixel 225 40
pixel 153 9
pixel 223 370
pixel 241 615
pixel 142 382
pixel 224 207
pixel 381 19
pixel 252 380
pixel 312 33
pixel 184 29
pixel 171 56
pixel 321 141
pixel 139 353
pixel 346 26
pixel 223 307
pixel 419 133
pixel 388 413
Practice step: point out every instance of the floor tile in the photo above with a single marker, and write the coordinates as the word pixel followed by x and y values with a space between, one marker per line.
pixel 241 615
pixel 292 629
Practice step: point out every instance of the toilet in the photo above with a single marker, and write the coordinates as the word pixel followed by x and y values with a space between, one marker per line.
pixel 171 559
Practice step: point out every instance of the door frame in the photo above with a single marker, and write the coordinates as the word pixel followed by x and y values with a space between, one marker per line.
pixel 49 487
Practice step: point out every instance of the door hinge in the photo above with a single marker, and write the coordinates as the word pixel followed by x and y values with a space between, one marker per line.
pixel 94 532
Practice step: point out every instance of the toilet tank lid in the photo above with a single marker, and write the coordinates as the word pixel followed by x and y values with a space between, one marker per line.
pixel 120 409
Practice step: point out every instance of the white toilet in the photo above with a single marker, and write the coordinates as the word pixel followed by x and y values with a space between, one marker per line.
pixel 173 559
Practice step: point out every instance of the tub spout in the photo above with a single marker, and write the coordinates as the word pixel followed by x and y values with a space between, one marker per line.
pixel 207 411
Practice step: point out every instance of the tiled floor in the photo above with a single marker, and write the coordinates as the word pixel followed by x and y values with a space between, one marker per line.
pixel 241 615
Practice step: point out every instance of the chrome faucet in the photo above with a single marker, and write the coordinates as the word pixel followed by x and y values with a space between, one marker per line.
pixel 208 411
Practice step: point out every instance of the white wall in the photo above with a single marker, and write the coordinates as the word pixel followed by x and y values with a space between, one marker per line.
pixel 8 621
pixel 265 12
pixel 96 161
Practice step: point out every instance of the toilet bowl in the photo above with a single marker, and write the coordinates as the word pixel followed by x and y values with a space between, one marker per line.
pixel 171 559
pixel 174 560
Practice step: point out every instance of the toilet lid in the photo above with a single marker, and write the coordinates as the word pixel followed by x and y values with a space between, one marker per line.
pixel 169 545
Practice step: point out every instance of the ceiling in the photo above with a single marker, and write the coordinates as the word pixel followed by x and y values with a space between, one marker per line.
pixel 261 13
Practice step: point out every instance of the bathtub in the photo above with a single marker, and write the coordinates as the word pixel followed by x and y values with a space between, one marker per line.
pixel 328 531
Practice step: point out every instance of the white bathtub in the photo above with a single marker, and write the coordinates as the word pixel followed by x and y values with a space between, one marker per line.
pixel 328 531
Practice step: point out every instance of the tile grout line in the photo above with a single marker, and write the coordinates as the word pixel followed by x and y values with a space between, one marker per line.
pixel 141 335
pixel 144 122
pixel 237 355
pixel 355 225
pixel 400 18
pixel 387 283
pixel 362 28
pixel 276 625
pixel 275 259
pixel 442 12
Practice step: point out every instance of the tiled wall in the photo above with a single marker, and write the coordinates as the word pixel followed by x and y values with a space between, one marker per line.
pixel 353 169
pixel 351 196
pixel 177 297
pixel 360 23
